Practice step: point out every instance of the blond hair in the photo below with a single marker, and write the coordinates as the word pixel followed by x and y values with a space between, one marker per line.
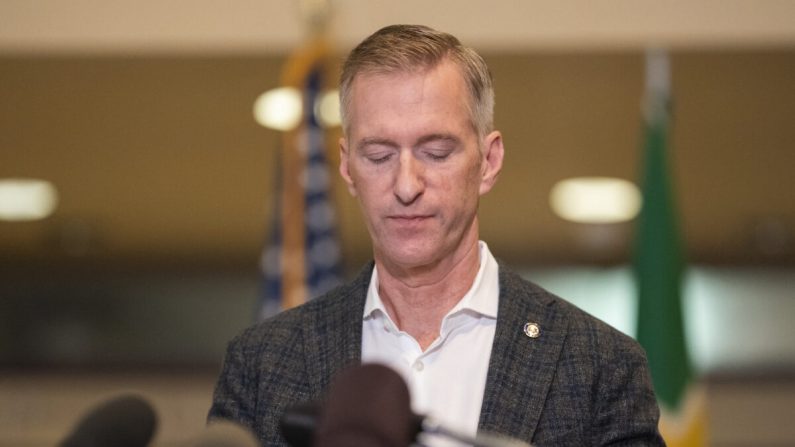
pixel 409 48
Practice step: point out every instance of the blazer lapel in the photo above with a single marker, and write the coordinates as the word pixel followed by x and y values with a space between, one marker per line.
pixel 521 367
pixel 333 337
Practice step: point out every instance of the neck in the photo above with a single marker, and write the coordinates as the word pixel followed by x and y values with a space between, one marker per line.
pixel 418 299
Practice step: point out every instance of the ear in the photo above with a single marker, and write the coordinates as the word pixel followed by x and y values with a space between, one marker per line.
pixel 345 167
pixel 493 153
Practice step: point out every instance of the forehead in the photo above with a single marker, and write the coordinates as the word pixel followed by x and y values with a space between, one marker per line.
pixel 445 67
pixel 434 93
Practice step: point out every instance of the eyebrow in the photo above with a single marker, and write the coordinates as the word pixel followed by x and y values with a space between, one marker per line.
pixel 376 141
pixel 444 137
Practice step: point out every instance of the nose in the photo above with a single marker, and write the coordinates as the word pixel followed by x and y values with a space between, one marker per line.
pixel 410 182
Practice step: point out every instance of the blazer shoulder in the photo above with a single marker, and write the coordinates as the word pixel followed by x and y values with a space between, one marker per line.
pixel 582 327
pixel 336 305
pixel 598 381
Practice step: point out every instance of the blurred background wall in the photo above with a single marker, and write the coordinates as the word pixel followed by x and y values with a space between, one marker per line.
pixel 140 114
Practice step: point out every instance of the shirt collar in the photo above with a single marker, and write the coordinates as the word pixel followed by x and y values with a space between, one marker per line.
pixel 482 298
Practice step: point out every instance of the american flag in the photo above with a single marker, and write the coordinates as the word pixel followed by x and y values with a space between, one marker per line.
pixel 302 258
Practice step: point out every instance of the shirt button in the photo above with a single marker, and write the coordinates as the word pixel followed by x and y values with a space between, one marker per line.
pixel 418 365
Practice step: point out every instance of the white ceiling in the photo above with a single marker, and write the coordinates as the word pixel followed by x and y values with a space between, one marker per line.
pixel 274 26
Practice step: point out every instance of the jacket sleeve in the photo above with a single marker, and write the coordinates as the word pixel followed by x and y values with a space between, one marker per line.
pixel 235 391
pixel 626 411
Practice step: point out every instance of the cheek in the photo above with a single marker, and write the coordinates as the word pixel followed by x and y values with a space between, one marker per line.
pixel 369 193
pixel 467 189
pixel 368 186
pixel 469 180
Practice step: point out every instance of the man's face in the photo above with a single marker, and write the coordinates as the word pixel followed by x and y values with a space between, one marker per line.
pixel 414 161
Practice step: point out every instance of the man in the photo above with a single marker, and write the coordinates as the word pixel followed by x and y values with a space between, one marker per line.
pixel 479 347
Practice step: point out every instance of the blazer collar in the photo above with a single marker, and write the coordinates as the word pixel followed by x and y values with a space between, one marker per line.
pixel 521 367
pixel 333 334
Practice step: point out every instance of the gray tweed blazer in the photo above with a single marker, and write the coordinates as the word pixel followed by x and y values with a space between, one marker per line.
pixel 579 383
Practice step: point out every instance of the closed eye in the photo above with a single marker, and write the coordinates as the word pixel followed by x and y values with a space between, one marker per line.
pixel 438 147
pixel 376 150
pixel 379 158
pixel 438 156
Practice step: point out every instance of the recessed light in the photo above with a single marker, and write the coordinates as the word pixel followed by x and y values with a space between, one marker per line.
pixel 279 108
pixel 327 108
pixel 24 199
pixel 595 200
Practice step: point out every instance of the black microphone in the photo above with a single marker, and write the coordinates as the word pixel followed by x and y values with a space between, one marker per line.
pixel 368 406
pixel 125 421
pixel 300 425
pixel 223 433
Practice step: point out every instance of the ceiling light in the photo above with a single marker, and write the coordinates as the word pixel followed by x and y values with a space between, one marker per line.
pixel 26 199
pixel 595 200
pixel 327 108
pixel 279 108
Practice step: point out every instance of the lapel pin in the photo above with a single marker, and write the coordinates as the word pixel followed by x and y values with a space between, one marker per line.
pixel 532 330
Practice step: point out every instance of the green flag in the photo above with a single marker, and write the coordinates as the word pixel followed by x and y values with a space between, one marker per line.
pixel 659 258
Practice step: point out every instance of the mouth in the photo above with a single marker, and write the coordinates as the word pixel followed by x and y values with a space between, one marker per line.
pixel 409 217
pixel 409 220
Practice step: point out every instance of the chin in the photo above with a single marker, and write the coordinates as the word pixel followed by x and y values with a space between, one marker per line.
pixel 412 255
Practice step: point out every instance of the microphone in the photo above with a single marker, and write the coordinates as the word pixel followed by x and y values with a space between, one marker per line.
pixel 124 421
pixel 223 433
pixel 368 406
pixel 350 399
pixel 298 424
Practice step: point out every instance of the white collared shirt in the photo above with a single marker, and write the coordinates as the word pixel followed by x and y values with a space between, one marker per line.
pixel 448 379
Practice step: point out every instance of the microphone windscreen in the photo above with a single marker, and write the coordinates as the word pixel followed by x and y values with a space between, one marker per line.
pixel 125 421
pixel 367 406
pixel 221 433
pixel 298 424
